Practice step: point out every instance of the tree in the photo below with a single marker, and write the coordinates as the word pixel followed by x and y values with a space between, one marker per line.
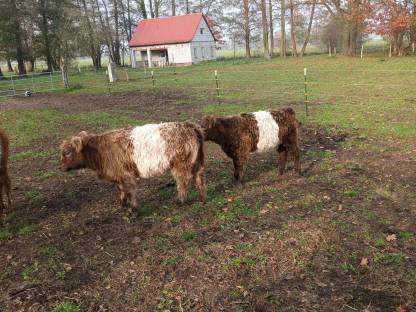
pixel 246 10
pixel 173 4
pixel 354 15
pixel 292 29
pixel 282 28
pixel 142 8
pixel 14 28
pixel 308 33
pixel 394 19
pixel 265 28
pixel 271 32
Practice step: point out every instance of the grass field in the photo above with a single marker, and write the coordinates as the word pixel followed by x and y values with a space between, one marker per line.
pixel 339 238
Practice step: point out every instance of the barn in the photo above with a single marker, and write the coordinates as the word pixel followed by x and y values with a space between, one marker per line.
pixel 173 40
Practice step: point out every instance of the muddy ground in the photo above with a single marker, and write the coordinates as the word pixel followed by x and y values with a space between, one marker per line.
pixel 339 238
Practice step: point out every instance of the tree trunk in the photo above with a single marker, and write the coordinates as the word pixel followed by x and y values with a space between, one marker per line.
pixel 173 7
pixel 350 39
pixel 247 27
pixel 157 7
pixel 271 33
pixel 187 6
pixel 152 14
pixel 1 73
pixel 18 41
pixel 265 29
pixel 107 35
pixel 308 33
pixel 92 50
pixel 129 19
pixel 292 30
pixel 45 35
pixel 142 8
pixel 282 29
pixel 117 35
pixel 9 65
pixel 31 67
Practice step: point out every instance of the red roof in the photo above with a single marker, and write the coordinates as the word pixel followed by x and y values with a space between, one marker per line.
pixel 164 30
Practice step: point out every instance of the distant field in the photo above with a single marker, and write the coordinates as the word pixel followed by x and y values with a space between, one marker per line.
pixel 339 238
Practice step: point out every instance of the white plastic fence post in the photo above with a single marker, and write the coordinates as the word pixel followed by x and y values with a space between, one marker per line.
pixel 362 50
pixel 112 75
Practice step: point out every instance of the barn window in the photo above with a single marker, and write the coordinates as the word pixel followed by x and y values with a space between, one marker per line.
pixel 212 51
pixel 201 31
pixel 195 52
pixel 202 52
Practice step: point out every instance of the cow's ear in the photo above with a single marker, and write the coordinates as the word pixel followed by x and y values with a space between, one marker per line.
pixel 76 142
pixel 83 134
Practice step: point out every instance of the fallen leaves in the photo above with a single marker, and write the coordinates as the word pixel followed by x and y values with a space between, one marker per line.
pixel 400 309
pixel 364 262
pixel 391 237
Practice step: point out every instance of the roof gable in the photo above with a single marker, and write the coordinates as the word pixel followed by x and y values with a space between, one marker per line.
pixel 165 30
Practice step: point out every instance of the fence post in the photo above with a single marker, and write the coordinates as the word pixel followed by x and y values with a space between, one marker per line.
pixel 33 82
pixel 362 50
pixel 218 87
pixel 127 75
pixel 390 51
pixel 65 78
pixel 153 79
pixel 108 82
pixel 51 80
pixel 14 89
pixel 306 91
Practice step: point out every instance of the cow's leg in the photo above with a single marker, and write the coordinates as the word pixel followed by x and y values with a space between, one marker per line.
pixel 282 151
pixel 296 157
pixel 240 166
pixel 200 181
pixel 183 177
pixel 127 188
pixel 1 203
pixel 7 190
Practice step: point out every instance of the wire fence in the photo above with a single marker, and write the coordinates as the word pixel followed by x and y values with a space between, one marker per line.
pixel 27 84
pixel 304 87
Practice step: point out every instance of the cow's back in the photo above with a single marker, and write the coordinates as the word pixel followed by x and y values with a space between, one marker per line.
pixel 157 147
pixel 149 150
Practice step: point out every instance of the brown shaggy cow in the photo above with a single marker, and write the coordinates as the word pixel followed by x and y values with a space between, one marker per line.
pixel 240 135
pixel 122 155
pixel 4 174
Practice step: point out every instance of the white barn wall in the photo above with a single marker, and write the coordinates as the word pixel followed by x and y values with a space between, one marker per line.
pixel 203 44
pixel 180 53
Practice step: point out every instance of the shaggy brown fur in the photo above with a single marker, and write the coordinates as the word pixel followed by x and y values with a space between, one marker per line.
pixel 111 155
pixel 181 141
pixel 238 137
pixel 4 174
pixel 288 138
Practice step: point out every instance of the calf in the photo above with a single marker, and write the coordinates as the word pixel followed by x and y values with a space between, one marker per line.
pixel 4 174
pixel 261 131
pixel 122 155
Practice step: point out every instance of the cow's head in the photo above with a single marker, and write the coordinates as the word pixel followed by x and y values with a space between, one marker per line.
pixel 71 152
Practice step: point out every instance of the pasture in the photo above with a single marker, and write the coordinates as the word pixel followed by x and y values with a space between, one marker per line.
pixel 341 237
